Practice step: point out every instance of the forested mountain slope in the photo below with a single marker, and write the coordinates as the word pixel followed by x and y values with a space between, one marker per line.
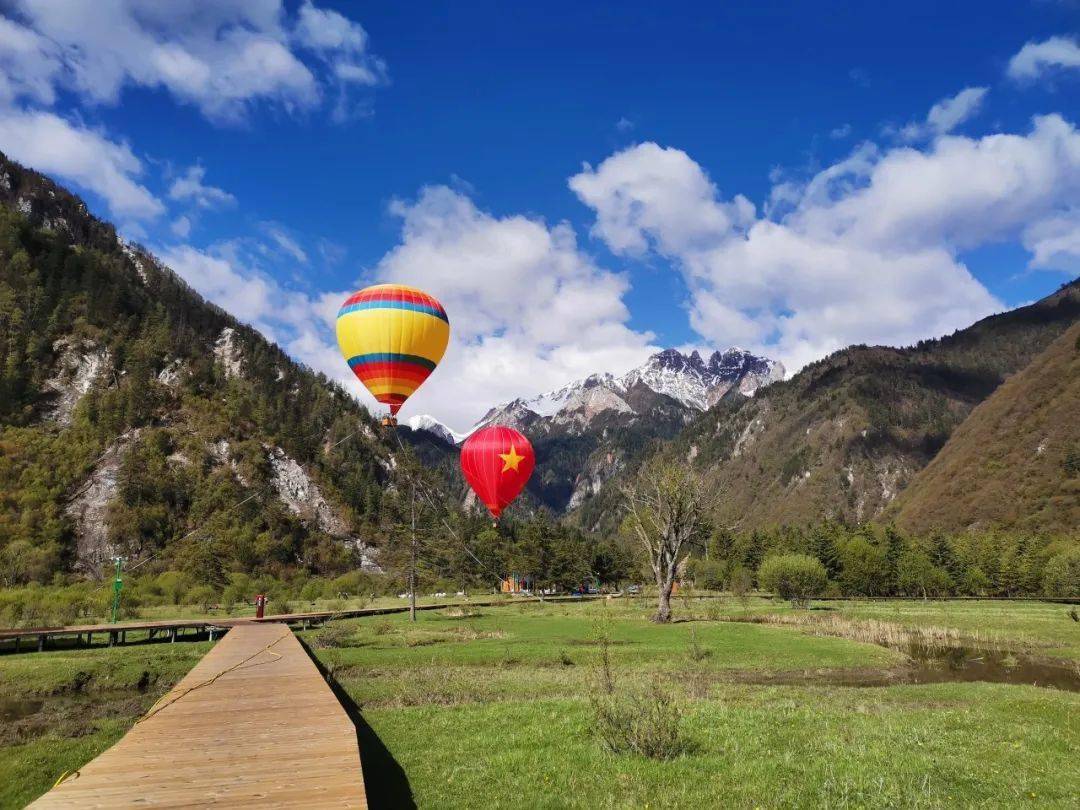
pixel 1014 463
pixel 843 437
pixel 132 411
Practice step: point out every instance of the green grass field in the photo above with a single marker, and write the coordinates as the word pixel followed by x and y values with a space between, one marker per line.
pixel 492 711
pixel 490 708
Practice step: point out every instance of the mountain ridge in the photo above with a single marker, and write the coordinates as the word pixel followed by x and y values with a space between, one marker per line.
pixel 841 438
pixel 589 429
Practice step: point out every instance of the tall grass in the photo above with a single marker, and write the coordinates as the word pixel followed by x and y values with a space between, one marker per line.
pixel 882 633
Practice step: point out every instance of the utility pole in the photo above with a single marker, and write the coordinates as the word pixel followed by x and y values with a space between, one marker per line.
pixel 412 562
pixel 118 585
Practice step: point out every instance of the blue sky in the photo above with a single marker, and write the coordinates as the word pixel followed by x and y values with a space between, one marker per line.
pixel 754 171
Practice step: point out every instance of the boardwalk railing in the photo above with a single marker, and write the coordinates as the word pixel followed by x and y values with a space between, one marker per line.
pixel 26 639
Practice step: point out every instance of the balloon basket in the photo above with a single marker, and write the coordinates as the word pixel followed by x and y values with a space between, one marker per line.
pixel 389 421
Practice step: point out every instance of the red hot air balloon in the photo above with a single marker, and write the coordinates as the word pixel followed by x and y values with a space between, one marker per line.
pixel 497 462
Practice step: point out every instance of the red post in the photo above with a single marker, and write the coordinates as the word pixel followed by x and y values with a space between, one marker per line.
pixel 260 605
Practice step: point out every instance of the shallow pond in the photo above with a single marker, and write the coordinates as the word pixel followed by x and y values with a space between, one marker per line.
pixel 17 709
pixel 962 664
pixel 937 665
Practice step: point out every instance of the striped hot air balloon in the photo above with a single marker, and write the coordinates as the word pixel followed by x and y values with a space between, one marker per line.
pixel 392 337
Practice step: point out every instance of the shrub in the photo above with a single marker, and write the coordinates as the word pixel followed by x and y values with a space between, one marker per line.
pixel 865 569
pixel 916 575
pixel 645 721
pixel 975 582
pixel 173 585
pixel 204 596
pixel 709 574
pixel 1061 576
pixel 740 582
pixel 797 577
pixel 334 634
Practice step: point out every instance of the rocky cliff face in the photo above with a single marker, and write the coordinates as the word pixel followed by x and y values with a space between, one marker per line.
pixel 80 365
pixel 303 498
pixel 88 508
pixel 227 353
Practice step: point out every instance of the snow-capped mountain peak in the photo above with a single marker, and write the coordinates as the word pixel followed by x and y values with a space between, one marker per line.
pixel 688 378
pixel 432 425
pixel 700 383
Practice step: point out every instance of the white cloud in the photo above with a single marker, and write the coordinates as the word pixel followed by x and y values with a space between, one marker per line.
pixel 528 310
pixel 342 42
pixel 83 156
pixel 286 243
pixel 840 132
pixel 866 251
pixel 29 64
pixel 1036 58
pixel 181 227
pixel 1054 242
pixel 221 57
pixel 190 187
pixel 947 114
pixel 651 193
pixel 624 124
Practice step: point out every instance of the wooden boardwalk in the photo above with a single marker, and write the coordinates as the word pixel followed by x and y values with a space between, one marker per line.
pixel 254 724
pixel 40 638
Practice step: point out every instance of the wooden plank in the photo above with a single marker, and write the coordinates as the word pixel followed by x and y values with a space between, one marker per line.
pixel 253 724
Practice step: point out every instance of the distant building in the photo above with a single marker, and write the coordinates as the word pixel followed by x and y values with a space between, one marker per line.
pixel 515 583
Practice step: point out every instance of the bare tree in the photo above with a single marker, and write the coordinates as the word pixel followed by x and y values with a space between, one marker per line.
pixel 668 505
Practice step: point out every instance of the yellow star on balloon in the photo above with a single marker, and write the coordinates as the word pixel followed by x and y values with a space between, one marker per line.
pixel 511 459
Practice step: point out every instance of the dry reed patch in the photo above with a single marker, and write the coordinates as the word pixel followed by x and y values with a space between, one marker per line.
pixel 423 638
pixel 882 633
pixel 460 613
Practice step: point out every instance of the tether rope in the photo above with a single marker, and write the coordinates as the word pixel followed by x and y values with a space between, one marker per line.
pixel 159 706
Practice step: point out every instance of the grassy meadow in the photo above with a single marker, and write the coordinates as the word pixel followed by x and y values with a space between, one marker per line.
pixel 493 710
pixel 492 706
